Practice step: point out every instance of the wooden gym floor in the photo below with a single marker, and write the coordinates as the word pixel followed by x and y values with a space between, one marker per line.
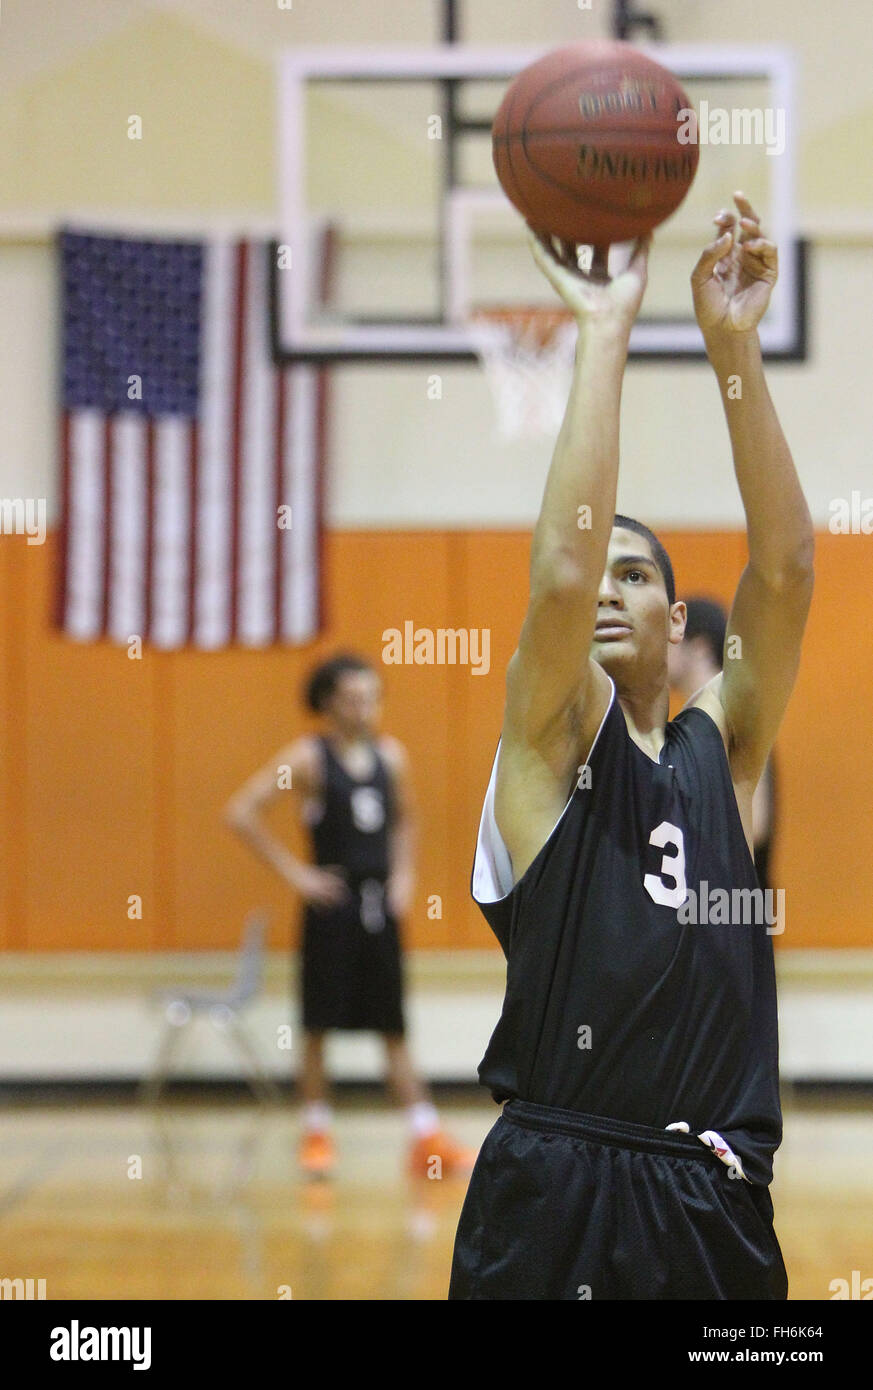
pixel 220 1212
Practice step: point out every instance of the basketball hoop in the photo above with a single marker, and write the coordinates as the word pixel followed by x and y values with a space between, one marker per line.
pixel 527 351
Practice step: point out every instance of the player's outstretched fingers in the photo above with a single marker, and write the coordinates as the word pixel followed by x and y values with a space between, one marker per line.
pixel 710 257
pixel 750 222
pixel 638 264
pixel 544 255
pixel 569 255
pixel 745 207
pixel 750 230
pixel 554 270
pixel 725 221
pixel 599 265
pixel 760 258
pixel 564 252
pixel 640 253
pixel 551 245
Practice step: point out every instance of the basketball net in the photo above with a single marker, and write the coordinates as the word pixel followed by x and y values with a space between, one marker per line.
pixel 528 354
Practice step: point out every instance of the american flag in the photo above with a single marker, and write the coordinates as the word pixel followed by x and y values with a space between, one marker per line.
pixel 192 466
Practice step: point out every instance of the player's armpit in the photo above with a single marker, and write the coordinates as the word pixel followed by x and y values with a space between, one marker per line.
pixel 535 776
pixel 762 807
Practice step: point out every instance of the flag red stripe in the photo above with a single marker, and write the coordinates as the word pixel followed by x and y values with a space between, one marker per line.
pixel 236 431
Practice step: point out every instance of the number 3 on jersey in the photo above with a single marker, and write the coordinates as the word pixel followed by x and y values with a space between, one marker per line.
pixel 672 867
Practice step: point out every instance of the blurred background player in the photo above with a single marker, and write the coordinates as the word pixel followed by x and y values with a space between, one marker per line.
pixel 690 666
pixel 358 806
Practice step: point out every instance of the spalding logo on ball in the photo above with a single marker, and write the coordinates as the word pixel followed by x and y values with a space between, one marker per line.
pixel 586 143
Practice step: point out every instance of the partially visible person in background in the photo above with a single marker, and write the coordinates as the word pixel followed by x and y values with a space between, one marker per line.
pixel 690 665
pixel 357 803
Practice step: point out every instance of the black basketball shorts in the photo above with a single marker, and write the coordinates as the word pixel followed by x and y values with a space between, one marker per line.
pixel 563 1205
pixel 352 969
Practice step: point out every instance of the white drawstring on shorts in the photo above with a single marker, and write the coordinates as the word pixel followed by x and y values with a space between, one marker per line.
pixel 719 1146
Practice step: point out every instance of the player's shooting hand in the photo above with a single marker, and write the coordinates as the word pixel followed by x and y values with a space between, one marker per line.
pixel 734 278
pixel 323 887
pixel 590 294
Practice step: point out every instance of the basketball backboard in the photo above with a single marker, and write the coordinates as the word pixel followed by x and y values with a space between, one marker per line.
pixel 392 148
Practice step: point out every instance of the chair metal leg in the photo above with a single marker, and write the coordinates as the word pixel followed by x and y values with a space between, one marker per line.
pixel 152 1087
pixel 263 1085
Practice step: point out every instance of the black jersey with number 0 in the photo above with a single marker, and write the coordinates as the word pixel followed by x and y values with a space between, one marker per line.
pixel 614 1006
pixel 354 818
pixel 352 974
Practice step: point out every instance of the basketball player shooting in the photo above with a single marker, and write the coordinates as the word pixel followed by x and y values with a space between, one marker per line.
pixel 636 1051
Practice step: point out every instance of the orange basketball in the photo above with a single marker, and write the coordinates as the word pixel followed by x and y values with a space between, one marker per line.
pixel 586 143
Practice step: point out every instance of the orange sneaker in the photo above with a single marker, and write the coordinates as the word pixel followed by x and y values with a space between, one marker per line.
pixel 317 1154
pixel 438 1156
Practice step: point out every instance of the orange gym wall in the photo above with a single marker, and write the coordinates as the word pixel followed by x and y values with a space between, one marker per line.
pixel 116 770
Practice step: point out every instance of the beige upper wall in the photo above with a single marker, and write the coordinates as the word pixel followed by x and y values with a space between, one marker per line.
pixel 201 77
pixel 202 70
pixel 207 113
pixel 833 42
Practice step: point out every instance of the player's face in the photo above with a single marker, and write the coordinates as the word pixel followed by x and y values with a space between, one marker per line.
pixel 356 703
pixel 635 624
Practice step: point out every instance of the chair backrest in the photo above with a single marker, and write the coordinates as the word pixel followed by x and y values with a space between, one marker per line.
pixel 251 958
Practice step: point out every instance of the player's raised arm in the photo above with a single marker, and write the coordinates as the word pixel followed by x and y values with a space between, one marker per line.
pixel 568 558
pixel 555 694
pixel 732 283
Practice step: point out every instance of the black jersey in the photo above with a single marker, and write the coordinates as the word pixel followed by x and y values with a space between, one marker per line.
pixel 614 1006
pixel 352 976
pixel 351 821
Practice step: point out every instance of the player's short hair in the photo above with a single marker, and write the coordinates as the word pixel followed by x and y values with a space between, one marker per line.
pixel 322 682
pixel 707 618
pixel 661 558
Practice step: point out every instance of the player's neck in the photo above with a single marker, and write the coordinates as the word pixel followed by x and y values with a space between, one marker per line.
pixel 346 742
pixel 645 713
